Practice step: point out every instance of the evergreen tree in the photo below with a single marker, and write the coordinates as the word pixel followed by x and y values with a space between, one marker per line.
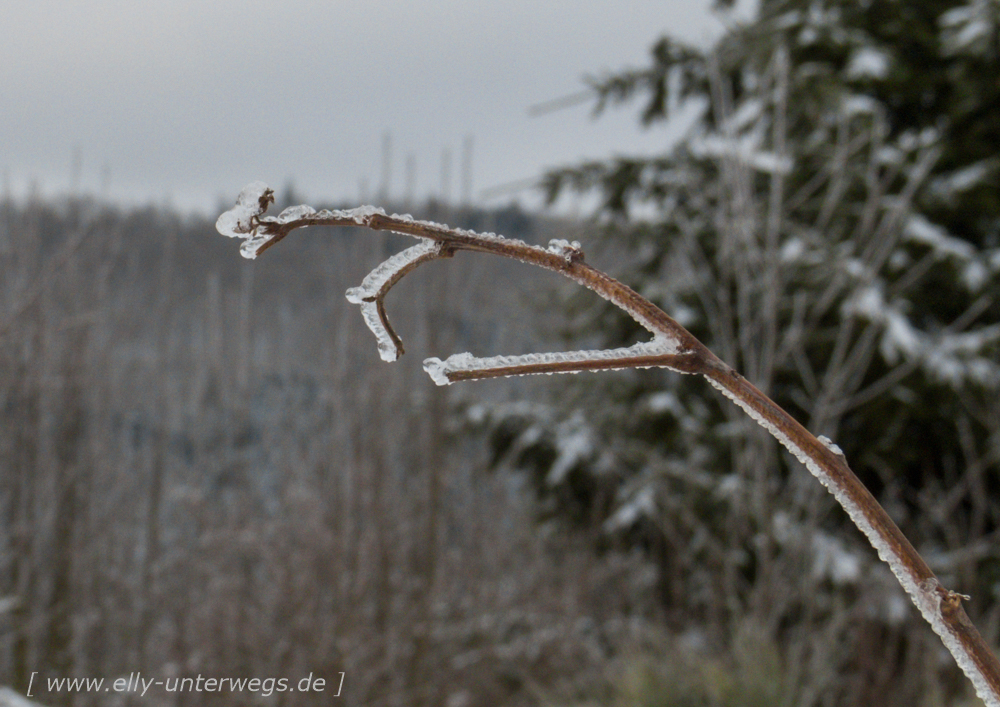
pixel 829 226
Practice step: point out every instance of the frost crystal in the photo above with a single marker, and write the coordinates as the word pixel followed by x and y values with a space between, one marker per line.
pixel 238 221
pixel 565 249
pixel 366 295
pixel 386 346
pixel 294 213
pixel 611 358
pixel 438 369
pixel 378 277
pixel 252 245
pixel 359 215
pixel 362 213
pixel 829 444
pixel 244 219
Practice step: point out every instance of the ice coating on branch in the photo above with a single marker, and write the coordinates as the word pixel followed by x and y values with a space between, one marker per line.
pixel 363 213
pixel 303 212
pixel 378 277
pixel 241 221
pixel 438 370
pixel 461 232
pixel 924 594
pixel 566 249
pixel 252 245
pixel 371 288
pixel 831 445
pixel 386 346
pixel 238 222
pixel 294 213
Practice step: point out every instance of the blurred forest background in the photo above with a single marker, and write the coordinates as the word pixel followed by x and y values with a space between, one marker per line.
pixel 206 469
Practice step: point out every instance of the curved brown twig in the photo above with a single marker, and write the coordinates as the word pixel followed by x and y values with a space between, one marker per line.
pixel 672 347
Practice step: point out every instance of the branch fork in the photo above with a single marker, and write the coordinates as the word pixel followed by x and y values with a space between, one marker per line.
pixel 671 346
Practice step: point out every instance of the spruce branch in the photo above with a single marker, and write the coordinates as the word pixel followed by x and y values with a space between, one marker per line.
pixel 672 347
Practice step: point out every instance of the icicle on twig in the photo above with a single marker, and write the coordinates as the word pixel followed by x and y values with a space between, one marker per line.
pixel 672 347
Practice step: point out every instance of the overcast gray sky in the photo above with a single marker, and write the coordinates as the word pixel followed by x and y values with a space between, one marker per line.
pixel 186 101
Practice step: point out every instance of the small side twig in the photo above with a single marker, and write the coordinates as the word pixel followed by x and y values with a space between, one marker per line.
pixel 672 347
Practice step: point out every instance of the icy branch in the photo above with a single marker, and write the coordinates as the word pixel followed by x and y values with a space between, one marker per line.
pixel 465 366
pixel 672 346
pixel 371 294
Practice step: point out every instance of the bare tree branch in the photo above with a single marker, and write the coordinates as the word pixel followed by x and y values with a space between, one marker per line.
pixel 672 347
